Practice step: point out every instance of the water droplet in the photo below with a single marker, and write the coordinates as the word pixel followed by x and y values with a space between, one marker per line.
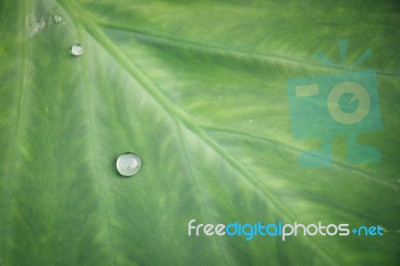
pixel 57 18
pixel 128 164
pixel 77 49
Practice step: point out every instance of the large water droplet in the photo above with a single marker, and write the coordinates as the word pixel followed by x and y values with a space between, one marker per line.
pixel 128 164
pixel 77 49
pixel 57 18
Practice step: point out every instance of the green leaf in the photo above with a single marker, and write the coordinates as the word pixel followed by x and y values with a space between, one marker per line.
pixel 198 90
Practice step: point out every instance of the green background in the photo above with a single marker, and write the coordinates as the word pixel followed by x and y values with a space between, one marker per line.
pixel 198 90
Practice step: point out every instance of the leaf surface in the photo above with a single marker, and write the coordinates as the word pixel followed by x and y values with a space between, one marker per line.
pixel 198 90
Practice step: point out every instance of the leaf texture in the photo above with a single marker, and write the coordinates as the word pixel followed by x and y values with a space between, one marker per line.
pixel 198 90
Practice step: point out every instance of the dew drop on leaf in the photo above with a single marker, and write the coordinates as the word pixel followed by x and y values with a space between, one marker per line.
pixel 57 18
pixel 128 164
pixel 76 49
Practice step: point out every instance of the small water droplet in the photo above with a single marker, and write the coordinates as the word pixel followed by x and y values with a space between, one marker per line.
pixel 57 18
pixel 76 49
pixel 128 164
